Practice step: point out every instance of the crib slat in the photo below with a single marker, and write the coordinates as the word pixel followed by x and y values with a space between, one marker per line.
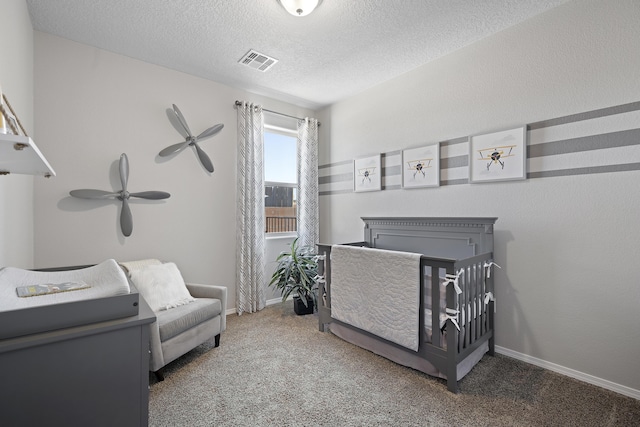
pixel 436 333
pixel 477 303
pixel 473 304
pixel 483 312
pixel 453 340
pixel 469 306
pixel 464 307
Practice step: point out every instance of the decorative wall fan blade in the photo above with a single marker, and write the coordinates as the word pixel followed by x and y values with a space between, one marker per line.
pixel 181 119
pixel 151 195
pixel 93 194
pixel 192 140
pixel 126 219
pixel 204 159
pixel 174 149
pixel 210 132
pixel 124 171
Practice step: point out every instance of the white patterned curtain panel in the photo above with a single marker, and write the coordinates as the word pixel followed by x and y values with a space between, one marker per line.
pixel 307 211
pixel 250 239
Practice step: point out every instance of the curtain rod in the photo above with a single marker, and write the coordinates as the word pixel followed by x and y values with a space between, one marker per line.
pixel 238 103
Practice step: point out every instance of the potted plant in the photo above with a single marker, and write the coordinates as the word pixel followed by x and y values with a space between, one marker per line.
pixel 295 274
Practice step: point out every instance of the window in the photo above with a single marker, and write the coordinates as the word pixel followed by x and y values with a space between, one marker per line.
pixel 281 179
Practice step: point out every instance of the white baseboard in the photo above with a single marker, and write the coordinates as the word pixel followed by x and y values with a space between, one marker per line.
pixel 590 379
pixel 268 303
pixel 275 301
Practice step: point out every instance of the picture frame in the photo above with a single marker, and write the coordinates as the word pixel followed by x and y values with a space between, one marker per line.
pixel 367 174
pixel 421 166
pixel 498 156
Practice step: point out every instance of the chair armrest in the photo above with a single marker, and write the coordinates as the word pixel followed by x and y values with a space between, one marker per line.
pixel 211 291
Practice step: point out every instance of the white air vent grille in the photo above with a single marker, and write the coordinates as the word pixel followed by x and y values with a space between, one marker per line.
pixel 257 60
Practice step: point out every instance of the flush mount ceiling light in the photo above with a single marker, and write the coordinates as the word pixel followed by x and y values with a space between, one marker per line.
pixel 299 7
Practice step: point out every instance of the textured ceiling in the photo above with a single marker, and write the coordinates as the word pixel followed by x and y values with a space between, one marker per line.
pixel 342 48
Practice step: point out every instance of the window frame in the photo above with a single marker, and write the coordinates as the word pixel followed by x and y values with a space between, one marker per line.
pixel 294 134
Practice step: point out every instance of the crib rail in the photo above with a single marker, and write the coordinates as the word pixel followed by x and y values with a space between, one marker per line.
pixel 475 301
pixel 324 286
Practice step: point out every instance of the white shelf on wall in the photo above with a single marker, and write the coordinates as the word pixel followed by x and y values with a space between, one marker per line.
pixel 19 154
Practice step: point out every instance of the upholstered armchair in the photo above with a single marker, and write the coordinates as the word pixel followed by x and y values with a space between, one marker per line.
pixel 187 314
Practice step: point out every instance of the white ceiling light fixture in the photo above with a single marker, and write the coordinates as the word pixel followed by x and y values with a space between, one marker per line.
pixel 299 7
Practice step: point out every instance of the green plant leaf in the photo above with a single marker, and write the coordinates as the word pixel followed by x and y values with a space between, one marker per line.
pixel 296 272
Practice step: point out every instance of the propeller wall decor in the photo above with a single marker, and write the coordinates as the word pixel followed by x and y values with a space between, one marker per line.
pixel 191 140
pixel 126 219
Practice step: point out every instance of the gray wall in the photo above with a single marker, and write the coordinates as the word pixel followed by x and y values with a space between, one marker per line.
pixel 567 296
pixel 16 79
pixel 93 105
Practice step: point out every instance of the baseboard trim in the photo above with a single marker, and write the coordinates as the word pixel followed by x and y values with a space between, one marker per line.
pixel 275 301
pixel 590 379
pixel 268 303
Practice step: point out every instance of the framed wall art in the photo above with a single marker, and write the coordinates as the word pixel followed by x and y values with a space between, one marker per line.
pixel 498 156
pixel 421 167
pixel 367 174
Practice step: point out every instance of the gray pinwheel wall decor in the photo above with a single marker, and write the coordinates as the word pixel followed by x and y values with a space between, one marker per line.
pixel 191 140
pixel 126 219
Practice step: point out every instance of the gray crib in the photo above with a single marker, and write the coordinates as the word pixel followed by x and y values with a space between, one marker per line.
pixel 452 250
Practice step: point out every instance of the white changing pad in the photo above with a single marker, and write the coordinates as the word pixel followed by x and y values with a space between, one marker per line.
pixel 105 279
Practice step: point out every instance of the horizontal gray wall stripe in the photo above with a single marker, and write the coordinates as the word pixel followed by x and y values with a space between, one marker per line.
pixel 586 143
pixel 392 187
pixel 330 165
pixel 332 192
pixel 573 145
pixel 392 170
pixel 586 171
pixel 619 109
pixel 543 174
pixel 335 178
pixel 609 111
pixel 454 162
pixel 460 140
pixel 391 153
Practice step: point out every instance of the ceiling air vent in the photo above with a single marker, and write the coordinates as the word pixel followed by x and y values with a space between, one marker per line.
pixel 258 60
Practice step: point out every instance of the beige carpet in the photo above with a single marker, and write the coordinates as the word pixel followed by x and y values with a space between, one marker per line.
pixel 274 368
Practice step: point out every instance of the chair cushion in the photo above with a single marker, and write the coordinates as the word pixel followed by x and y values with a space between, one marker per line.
pixel 176 320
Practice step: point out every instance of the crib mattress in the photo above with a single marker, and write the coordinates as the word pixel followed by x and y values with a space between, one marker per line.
pixel 107 296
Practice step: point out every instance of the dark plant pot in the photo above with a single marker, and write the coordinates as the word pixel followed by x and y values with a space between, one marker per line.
pixel 299 307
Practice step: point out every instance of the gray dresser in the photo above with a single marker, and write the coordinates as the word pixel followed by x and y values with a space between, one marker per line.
pixel 87 375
